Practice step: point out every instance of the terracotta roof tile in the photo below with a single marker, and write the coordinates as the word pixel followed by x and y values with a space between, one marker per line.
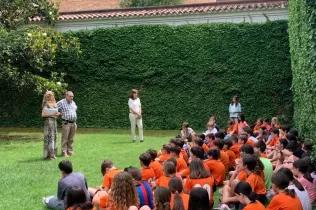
pixel 171 10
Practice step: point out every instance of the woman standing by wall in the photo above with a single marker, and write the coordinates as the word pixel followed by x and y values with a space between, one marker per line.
pixel 135 115
pixel 50 112
pixel 234 108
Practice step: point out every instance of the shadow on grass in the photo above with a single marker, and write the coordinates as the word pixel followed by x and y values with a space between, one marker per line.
pixel 33 160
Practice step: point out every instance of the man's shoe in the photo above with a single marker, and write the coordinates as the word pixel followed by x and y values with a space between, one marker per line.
pixel 141 141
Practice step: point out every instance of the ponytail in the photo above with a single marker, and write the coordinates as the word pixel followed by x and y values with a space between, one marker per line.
pixel 298 185
pixel 253 196
pixel 166 206
pixel 259 166
pixel 290 192
pixel 178 202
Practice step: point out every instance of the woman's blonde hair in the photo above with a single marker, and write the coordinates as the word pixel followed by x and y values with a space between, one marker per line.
pixel 47 101
pixel 123 192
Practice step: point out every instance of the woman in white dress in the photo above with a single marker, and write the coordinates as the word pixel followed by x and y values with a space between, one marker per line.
pixel 135 115
pixel 234 108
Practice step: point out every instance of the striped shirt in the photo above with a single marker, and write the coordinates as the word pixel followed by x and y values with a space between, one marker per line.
pixel 145 195
pixel 68 109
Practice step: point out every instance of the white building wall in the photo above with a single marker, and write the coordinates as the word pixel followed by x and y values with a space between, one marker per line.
pixel 215 17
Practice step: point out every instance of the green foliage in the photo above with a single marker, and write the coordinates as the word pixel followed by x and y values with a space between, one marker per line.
pixel 148 3
pixel 28 57
pixel 186 72
pixel 302 32
pixel 14 13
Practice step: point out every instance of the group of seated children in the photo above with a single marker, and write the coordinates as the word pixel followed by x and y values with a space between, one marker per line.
pixel 261 162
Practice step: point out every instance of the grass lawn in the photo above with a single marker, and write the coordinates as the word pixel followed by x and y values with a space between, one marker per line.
pixel 26 177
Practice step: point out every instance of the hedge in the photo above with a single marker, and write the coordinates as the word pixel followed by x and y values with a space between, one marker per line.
pixel 302 31
pixel 184 73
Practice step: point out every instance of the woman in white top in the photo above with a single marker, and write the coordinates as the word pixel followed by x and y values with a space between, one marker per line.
pixel 234 108
pixel 50 112
pixel 135 115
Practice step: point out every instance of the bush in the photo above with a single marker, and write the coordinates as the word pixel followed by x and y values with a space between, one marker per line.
pixel 302 31
pixel 186 72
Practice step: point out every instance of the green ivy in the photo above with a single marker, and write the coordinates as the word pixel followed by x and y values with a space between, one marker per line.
pixel 302 33
pixel 184 73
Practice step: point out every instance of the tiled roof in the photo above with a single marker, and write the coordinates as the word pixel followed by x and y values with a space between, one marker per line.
pixel 172 10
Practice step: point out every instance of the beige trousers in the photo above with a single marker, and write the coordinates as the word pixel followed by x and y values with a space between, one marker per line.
pixel 67 138
pixel 135 120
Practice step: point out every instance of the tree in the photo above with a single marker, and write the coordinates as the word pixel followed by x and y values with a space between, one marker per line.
pixel 28 54
pixel 14 13
pixel 148 3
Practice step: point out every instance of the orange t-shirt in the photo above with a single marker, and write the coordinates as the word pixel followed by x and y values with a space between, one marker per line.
pixel 250 142
pixel 156 166
pixel 205 148
pixel 206 183
pixel 163 181
pixel 185 200
pixel 242 175
pixel 147 174
pixel 232 158
pixel 236 149
pixel 217 170
pixel 234 128
pixel 263 155
pixel 184 155
pixel 181 164
pixel 186 172
pixel 164 157
pixel 225 159
pixel 256 128
pixel 273 142
pixel 257 184
pixel 108 178
pixel 254 206
pixel 285 202
pixel 105 202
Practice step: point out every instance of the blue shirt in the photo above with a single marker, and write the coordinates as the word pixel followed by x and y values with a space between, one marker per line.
pixel 234 108
pixel 145 195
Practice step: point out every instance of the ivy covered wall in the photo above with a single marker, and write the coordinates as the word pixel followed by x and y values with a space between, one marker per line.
pixel 186 72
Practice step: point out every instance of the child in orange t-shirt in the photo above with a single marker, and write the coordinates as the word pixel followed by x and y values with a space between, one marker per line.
pixel 235 147
pixel 77 199
pixel 155 165
pixel 175 153
pixel 275 138
pixel 169 171
pixel 216 166
pixel 258 125
pixel 219 144
pixel 231 155
pixel 147 173
pixel 108 171
pixel 210 138
pixel 180 143
pixel 199 177
pixel 285 199
pixel 284 129
pixel 232 127
pixel 165 153
pixel 260 147
pixel 123 194
pixel 178 197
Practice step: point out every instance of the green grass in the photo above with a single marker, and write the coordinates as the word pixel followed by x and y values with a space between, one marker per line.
pixel 26 177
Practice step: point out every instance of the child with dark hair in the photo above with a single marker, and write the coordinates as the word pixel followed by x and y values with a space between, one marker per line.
pixel 220 134
pixel 162 198
pixel 232 127
pixel 284 129
pixel 77 199
pixel 180 143
pixel 165 153
pixel 301 171
pixel 148 174
pixel 155 165
pixel 231 155
pixel 175 153
pixel 169 171
pixel 307 148
pixel 241 122
pixel 200 177
pixel 258 125
pixel 260 146
pixel 275 137
pixel 143 188
pixel 199 199
pixel 246 197
pixel 219 144
pixel 235 147
pixel 299 189
pixel 179 200
pixel 285 199
pixel 216 167
pixel 210 138
pixel 251 139
pixel 187 132
pixel 266 124
pixel 174 161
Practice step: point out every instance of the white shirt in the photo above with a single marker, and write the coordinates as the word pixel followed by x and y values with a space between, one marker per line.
pixel 213 131
pixel 253 139
pixel 303 196
pixel 135 104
